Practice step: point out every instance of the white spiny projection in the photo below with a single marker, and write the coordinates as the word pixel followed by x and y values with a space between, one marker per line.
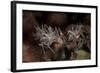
pixel 47 35
pixel 75 31
pixel 74 35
